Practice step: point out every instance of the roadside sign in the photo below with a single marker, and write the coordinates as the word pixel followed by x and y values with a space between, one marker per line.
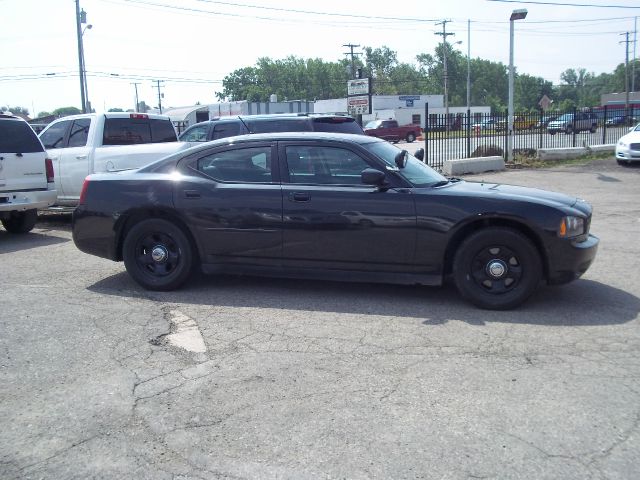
pixel 359 105
pixel 545 102
pixel 359 86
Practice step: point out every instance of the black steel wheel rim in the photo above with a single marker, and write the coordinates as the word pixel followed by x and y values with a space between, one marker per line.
pixel 157 254
pixel 496 269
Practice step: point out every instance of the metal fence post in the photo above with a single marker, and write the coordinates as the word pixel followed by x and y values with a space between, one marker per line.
pixel 468 132
pixel 604 127
pixel 506 136
pixel 426 133
pixel 575 118
pixel 541 127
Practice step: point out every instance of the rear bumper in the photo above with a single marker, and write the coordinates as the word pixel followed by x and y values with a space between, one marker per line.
pixel 572 260
pixel 94 234
pixel 29 200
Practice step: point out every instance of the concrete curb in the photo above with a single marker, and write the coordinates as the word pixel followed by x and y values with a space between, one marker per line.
pixel 573 152
pixel 473 165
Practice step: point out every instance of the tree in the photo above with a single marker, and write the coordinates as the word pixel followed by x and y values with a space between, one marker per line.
pixel 116 110
pixel 43 114
pixel 17 110
pixel 64 111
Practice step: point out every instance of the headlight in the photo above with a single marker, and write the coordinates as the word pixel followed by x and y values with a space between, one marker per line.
pixel 622 144
pixel 571 227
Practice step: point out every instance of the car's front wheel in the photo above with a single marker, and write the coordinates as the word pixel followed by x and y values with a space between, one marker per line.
pixel 21 222
pixel 158 255
pixel 410 137
pixel 568 130
pixel 497 268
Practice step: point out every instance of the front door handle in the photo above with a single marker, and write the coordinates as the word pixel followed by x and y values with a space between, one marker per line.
pixel 81 157
pixel 191 194
pixel 299 197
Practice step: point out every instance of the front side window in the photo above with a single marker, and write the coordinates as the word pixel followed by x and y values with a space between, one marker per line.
pixel 243 165
pixel 53 137
pixel 196 134
pixel 416 172
pixel 324 165
pixel 79 132
pixel 18 137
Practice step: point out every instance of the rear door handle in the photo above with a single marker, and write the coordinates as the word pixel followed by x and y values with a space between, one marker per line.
pixel 81 157
pixel 299 197
pixel 191 194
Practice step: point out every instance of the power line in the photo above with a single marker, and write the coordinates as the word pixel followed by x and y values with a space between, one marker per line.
pixel 558 4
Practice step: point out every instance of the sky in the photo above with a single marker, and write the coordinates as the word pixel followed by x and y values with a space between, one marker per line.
pixel 192 45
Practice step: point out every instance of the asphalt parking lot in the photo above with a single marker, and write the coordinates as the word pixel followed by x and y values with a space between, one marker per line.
pixel 250 378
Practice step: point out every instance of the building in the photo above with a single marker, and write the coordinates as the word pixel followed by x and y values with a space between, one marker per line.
pixel 406 109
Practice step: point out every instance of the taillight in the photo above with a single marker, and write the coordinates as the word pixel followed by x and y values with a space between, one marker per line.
pixel 138 115
pixel 48 166
pixel 83 192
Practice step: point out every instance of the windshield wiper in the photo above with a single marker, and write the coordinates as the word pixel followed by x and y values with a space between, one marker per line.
pixel 441 183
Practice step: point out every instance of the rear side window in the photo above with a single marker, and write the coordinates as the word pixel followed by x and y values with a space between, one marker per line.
pixel 226 129
pixel 18 137
pixel 337 125
pixel 131 131
pixel 280 125
pixel 243 165
pixel 79 132
pixel 53 137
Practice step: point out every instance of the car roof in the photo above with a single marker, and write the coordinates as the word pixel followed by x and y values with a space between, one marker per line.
pixel 274 116
pixel 11 116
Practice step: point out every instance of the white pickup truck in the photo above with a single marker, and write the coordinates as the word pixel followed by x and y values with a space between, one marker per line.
pixel 80 145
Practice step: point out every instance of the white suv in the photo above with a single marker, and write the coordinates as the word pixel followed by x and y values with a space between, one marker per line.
pixel 26 175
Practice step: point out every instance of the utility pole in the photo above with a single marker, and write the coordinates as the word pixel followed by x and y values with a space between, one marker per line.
pixel 80 58
pixel 469 67
pixel 353 55
pixel 446 73
pixel 160 94
pixel 135 85
pixel 635 58
pixel 626 74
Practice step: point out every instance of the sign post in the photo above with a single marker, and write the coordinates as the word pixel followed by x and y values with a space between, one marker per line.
pixel 359 97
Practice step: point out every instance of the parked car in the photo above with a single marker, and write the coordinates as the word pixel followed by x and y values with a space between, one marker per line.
pixel 390 130
pixel 628 147
pixel 345 207
pixel 249 124
pixel 26 175
pixel 545 120
pixel 486 124
pixel 620 120
pixel 82 144
pixel 584 121
pixel 520 122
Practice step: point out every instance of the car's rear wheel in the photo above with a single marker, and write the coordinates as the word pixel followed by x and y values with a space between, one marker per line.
pixel 622 162
pixel 551 132
pixel 410 137
pixel 593 129
pixel 568 130
pixel 497 268
pixel 158 255
pixel 21 222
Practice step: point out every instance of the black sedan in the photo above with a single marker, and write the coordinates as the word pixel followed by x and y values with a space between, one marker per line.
pixel 331 206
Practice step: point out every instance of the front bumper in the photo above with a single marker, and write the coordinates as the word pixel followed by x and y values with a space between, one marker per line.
pixel 625 153
pixel 571 259
pixel 29 200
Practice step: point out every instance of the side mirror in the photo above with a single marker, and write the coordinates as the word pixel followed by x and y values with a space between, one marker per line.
pixel 371 176
pixel 419 154
pixel 401 159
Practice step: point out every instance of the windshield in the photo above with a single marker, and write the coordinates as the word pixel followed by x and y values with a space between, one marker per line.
pixel 416 172
pixel 372 124
pixel 565 117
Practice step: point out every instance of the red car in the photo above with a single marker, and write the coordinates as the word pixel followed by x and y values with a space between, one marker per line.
pixel 390 130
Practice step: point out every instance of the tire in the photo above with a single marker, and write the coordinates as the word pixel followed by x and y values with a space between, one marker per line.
pixel 569 130
pixel 158 255
pixel 516 263
pixel 21 222
pixel 410 138
pixel 593 128
pixel 552 132
pixel 623 163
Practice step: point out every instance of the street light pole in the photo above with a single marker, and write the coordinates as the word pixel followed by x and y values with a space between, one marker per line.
pixel 519 14
pixel 80 58
pixel 84 66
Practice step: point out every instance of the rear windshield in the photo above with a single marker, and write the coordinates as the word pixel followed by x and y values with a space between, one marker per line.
pixel 18 137
pixel 279 125
pixel 337 125
pixel 130 131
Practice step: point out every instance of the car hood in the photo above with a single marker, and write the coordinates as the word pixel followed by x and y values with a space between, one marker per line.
pixel 510 192
pixel 631 137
